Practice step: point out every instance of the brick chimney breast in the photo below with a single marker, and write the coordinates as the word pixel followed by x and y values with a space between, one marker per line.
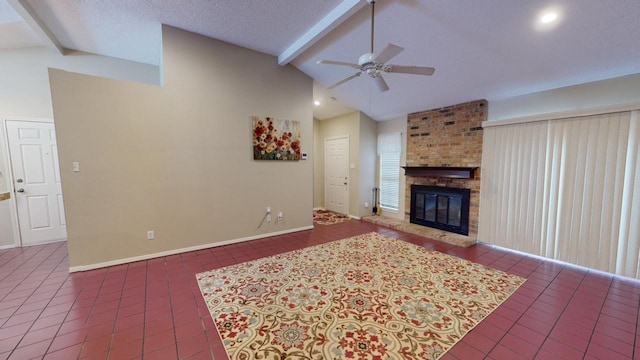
pixel 450 136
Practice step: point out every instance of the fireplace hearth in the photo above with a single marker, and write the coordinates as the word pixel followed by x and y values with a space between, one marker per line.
pixel 440 207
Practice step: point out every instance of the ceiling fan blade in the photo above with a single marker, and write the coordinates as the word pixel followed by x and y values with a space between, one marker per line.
pixel 344 80
pixel 380 83
pixel 387 53
pixel 331 62
pixel 417 70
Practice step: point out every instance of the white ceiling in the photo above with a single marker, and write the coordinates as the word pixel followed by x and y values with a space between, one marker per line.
pixel 491 49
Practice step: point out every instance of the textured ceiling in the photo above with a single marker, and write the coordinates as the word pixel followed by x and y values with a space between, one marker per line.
pixel 130 29
pixel 480 49
pixel 489 49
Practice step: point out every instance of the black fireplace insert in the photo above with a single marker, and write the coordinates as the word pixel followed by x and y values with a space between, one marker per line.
pixel 440 207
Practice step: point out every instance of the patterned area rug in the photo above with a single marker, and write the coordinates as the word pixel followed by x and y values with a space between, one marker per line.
pixel 326 217
pixel 364 297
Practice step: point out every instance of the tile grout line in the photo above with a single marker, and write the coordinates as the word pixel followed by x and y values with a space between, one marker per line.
pixel 529 307
pixel 600 314
pixel 195 292
pixel 42 311
pixel 18 269
pixel 115 322
pixel 551 282
pixel 146 292
pixel 173 319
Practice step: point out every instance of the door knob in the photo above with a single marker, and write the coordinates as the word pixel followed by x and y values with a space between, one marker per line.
pixel 19 180
pixel 20 190
pixel 345 183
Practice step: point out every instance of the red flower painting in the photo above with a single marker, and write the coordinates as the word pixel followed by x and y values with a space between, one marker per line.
pixel 275 139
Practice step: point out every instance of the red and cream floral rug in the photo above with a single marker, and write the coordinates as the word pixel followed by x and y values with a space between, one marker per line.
pixel 326 217
pixel 365 297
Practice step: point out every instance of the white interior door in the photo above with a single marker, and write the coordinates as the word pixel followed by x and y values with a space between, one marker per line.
pixel 336 174
pixel 36 180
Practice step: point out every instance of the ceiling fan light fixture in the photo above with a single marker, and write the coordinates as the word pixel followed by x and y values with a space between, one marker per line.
pixel 373 64
pixel 365 59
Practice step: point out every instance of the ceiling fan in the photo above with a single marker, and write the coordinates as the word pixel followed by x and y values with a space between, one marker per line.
pixel 374 64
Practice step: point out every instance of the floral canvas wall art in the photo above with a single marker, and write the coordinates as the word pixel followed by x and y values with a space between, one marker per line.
pixel 275 139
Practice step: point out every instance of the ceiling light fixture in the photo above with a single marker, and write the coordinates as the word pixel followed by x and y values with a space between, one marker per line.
pixel 548 18
pixel 316 103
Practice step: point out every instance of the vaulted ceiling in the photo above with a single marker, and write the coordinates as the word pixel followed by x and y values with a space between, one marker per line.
pixel 491 49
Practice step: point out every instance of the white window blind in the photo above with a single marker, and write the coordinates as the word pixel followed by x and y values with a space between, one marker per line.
pixel 389 150
pixel 566 189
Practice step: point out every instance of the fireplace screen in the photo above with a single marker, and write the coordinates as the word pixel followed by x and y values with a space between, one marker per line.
pixel 441 208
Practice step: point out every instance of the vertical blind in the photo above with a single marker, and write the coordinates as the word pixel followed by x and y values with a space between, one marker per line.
pixel 389 150
pixel 565 189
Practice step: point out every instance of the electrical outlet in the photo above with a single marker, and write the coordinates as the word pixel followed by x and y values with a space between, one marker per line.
pixel 268 209
pixel 280 216
pixel 268 217
pixel 150 235
pixel 366 205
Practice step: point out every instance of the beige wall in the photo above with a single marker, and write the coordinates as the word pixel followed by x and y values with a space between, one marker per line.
pixel 178 159
pixel 344 125
pixel 24 89
pixel 604 93
pixel 25 93
pixel 318 165
pixel 361 131
pixel 367 160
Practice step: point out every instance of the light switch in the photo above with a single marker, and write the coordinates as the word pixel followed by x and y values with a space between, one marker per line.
pixel 352 166
pixel 76 166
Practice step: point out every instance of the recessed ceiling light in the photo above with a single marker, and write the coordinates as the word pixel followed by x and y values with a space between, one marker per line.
pixel 316 103
pixel 548 18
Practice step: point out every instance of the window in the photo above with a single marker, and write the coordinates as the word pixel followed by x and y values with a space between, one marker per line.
pixel 389 149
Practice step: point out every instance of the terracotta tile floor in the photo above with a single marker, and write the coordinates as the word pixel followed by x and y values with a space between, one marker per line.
pixel 153 309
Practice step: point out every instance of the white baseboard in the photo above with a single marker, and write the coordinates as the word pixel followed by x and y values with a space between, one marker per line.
pixel 182 250
pixel 45 242
pixel 10 246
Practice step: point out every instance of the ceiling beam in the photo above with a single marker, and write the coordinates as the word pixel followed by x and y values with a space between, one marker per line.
pixel 336 17
pixel 36 24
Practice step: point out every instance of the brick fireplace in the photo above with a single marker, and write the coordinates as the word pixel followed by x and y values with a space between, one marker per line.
pixel 449 137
